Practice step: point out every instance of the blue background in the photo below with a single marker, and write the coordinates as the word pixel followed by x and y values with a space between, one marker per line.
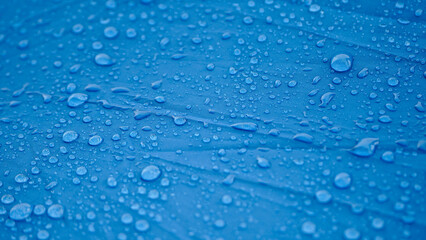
pixel 235 102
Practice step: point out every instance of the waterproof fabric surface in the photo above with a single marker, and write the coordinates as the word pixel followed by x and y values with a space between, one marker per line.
pixel 212 119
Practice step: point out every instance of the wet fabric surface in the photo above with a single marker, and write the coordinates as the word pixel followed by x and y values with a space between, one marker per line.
pixel 212 120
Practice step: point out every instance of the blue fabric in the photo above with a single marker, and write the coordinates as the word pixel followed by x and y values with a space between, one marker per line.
pixel 212 119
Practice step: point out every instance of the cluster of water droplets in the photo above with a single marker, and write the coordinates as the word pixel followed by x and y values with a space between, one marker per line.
pixel 204 120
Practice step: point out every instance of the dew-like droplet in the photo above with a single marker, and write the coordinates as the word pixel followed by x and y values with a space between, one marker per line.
pixel 126 218
pixel 342 180
pixel 309 228
pixel 39 209
pixel 314 8
pixel 388 157
pixel 43 234
pixel 95 140
pixel 20 211
pixel 352 234
pixel 110 32
pixel 103 59
pixel 421 145
pixel 365 147
pixel 77 99
pixel 139 115
pixel 81 171
pixel 226 199
pixel 341 63
pixel 7 199
pixel 326 99
pixel 377 223
pixel 393 82
pixel 263 162
pixel 363 73
pixel 150 173
pixel 142 225
pixel 245 126
pixel 303 137
pixel 323 196
pixel 179 121
pixel 21 178
pixel 55 211
pixel 69 136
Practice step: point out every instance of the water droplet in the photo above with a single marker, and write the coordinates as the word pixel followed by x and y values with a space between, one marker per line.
pixel 43 234
pixel 7 199
pixel 365 147
pixel 326 99
pixel 139 115
pixel 95 140
pixel 421 145
pixel 21 178
pixel 388 157
pixel 142 225
pixel 20 211
pixel 352 234
pixel 309 228
pixel 39 209
pixel 179 121
pixel 314 8
pixel 220 223
pixel 341 63
pixel 226 199
pixel 110 32
pixel 245 126
pixel 103 59
pixel 363 73
pixel 150 173
pixel 77 99
pixel 81 171
pixel 303 137
pixel 55 211
pixel 342 180
pixel 77 28
pixel 323 196
pixel 127 218
pixel 69 136
pixel 378 223
pixel 263 163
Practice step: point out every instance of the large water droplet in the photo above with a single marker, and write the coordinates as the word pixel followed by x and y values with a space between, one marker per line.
pixel 352 234
pixel 309 227
pixel 263 162
pixel 77 99
pixel 55 211
pixel 150 173
pixel 95 140
pixel 388 157
pixel 142 225
pixel 323 196
pixel 103 59
pixel 110 32
pixel 20 211
pixel 365 147
pixel 341 63
pixel 179 121
pixel 69 136
pixel 245 126
pixel 303 137
pixel 342 180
